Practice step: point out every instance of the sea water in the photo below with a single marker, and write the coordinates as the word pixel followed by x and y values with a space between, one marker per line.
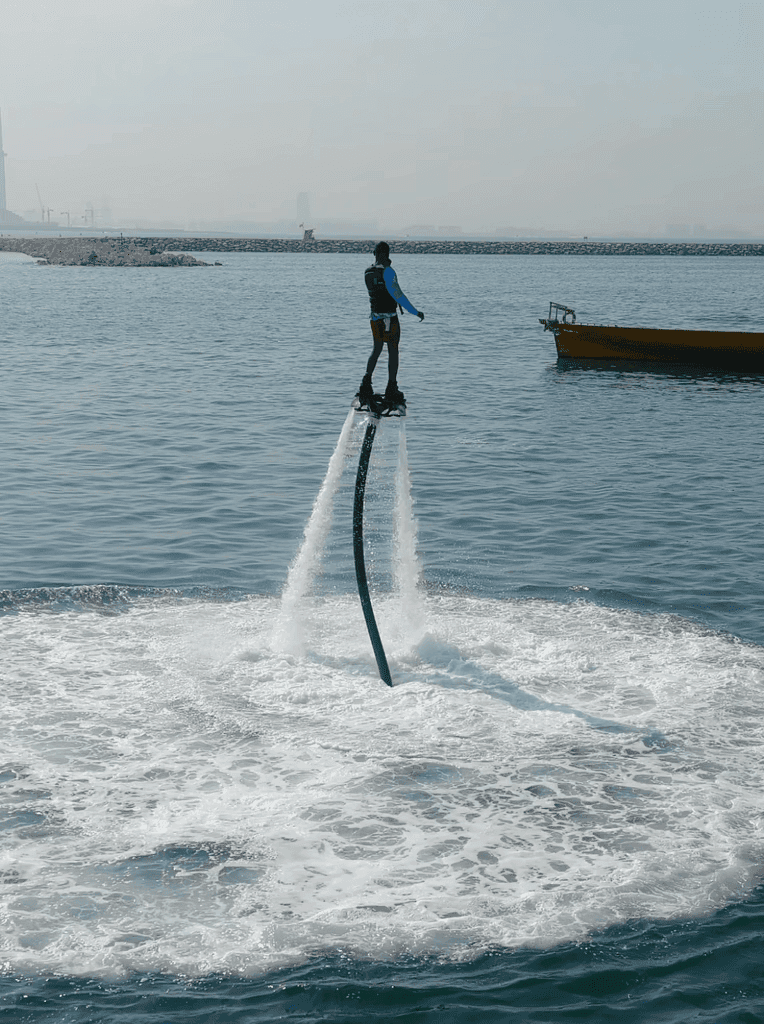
pixel 212 808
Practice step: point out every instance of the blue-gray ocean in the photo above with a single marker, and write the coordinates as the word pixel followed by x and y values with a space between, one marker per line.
pixel 211 807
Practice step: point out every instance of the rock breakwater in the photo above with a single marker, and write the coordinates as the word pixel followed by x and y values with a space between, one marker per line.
pixel 101 252
pixel 173 252
pixel 467 248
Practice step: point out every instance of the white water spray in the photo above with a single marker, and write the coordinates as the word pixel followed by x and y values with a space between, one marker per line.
pixel 288 637
pixel 402 612
pixel 407 567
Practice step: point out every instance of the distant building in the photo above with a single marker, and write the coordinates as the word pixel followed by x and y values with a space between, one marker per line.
pixel 2 172
pixel 2 168
pixel 6 217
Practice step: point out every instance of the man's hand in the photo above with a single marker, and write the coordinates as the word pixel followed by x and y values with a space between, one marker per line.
pixel 421 316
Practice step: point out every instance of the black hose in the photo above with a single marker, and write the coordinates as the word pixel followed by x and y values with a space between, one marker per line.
pixel 360 565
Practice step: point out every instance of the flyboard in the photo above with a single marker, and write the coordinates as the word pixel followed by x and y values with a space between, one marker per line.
pixel 374 409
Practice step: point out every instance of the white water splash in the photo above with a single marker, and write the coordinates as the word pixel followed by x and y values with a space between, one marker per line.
pixel 289 634
pixel 407 566
pixel 391 546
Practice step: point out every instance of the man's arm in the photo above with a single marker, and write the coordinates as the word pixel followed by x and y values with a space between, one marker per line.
pixel 391 282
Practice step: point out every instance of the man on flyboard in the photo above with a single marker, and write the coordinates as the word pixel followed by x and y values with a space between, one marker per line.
pixel 386 298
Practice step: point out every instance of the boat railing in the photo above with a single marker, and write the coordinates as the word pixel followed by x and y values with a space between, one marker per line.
pixel 556 308
pixel 565 310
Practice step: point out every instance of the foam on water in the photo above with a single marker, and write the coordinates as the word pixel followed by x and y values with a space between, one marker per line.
pixel 178 795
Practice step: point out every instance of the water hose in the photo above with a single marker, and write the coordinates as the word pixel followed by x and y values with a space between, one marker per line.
pixel 360 565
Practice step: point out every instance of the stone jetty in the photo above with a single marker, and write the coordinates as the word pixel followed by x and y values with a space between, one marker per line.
pixel 100 252
pixel 173 252
pixel 469 248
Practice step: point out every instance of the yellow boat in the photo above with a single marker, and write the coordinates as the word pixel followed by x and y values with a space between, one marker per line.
pixel 733 349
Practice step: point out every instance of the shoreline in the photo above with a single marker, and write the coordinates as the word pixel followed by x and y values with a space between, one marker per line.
pixel 164 251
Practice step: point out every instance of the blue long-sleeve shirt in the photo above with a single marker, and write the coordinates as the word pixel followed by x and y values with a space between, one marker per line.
pixel 391 283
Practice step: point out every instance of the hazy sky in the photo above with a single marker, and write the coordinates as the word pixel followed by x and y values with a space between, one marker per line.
pixel 589 116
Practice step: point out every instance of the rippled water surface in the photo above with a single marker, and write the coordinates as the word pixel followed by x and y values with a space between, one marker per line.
pixel 212 809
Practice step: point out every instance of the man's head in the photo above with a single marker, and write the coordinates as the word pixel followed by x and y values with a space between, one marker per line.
pixel 382 252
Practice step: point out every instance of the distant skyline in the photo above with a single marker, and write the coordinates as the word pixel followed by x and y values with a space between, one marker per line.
pixel 482 117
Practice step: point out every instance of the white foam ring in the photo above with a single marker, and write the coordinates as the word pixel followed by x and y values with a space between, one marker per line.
pixel 176 796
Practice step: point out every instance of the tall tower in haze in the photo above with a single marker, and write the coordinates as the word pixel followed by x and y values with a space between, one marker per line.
pixel 2 174
pixel 6 217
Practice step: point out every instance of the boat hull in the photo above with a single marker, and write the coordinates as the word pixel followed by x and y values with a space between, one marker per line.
pixel 714 348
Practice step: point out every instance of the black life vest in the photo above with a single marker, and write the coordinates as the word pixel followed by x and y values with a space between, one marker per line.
pixel 380 298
